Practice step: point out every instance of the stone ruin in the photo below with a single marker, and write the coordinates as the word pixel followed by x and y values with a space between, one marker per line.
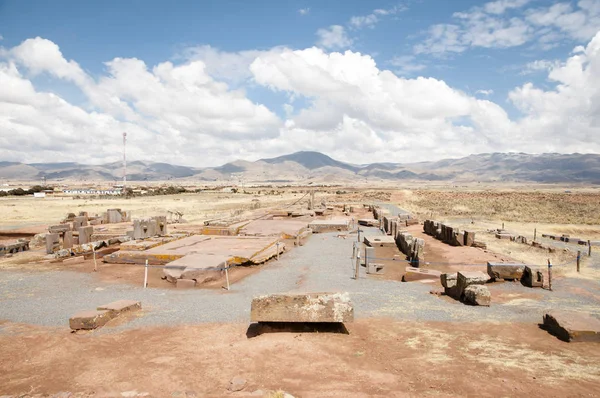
pixel 148 228
pixel 467 286
pixel 450 235
pixel 74 235
pixel 19 246
pixel 412 247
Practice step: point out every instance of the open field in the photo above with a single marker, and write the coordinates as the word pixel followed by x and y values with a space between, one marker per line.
pixel 404 341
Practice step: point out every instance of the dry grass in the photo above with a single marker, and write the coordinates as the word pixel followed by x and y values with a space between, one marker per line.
pixel 25 211
pixel 521 206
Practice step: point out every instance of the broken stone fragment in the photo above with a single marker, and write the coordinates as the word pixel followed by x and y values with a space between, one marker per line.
pixel 477 295
pixel 88 320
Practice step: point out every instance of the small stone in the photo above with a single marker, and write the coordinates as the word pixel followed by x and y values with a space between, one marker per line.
pixel 237 384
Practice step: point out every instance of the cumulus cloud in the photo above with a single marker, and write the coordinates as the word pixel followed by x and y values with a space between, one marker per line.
pixel 507 23
pixel 343 104
pixel 406 65
pixel 334 37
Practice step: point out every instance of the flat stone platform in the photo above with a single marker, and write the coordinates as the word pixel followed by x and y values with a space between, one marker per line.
pixel 379 240
pixel 339 224
pixel 236 249
pixel 286 229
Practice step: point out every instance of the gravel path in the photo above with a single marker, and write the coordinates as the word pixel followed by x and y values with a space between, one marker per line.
pixel 324 264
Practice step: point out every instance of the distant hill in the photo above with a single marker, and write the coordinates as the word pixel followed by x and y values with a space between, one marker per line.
pixel 501 167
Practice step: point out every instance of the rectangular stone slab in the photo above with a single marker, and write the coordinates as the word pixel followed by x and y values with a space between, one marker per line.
pixel 418 274
pixel 505 271
pixel 120 306
pixel 88 320
pixel 380 241
pixel 307 307
pixel 572 326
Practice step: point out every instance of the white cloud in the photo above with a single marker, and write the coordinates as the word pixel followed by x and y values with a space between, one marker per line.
pixel 370 20
pixel 506 23
pixel 485 92
pixel 542 65
pixel 304 11
pixel 334 37
pixel 406 65
pixel 339 103
pixel 364 21
pixel 180 109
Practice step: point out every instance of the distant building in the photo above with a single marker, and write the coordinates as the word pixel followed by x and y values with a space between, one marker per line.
pixel 91 191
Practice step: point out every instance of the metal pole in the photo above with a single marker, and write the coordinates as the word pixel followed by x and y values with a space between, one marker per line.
pixel 95 263
pixel 549 275
pixel 578 259
pixel 146 275
pixel 357 265
pixel 227 274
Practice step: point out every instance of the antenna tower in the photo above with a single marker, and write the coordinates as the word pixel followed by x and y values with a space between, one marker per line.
pixel 124 163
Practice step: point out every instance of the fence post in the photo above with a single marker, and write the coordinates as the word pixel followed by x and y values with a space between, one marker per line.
pixel 357 265
pixel 277 250
pixel 146 274
pixel 578 259
pixel 227 274
pixel 549 275
pixel 589 248
pixel 534 234
pixel 95 263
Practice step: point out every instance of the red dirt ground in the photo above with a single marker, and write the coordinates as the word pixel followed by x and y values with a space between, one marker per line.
pixel 380 357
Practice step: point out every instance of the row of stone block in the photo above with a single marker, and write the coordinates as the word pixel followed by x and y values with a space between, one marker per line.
pixel 411 246
pixel 19 246
pixel 448 234
pixel 467 286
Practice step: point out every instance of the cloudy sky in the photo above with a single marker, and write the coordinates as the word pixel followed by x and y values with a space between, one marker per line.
pixel 201 83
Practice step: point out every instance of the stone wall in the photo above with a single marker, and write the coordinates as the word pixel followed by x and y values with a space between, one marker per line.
pixel 448 234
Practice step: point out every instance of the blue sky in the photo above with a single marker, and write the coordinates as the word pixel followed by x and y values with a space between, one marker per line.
pixel 483 58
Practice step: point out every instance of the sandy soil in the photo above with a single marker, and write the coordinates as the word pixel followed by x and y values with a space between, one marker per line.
pixel 379 357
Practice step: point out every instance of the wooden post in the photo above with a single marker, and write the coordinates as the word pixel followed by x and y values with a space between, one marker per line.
pixel 502 225
pixel 578 260
pixel 534 234
pixel 277 250
pixel 549 275
pixel 146 275
pixel 589 248
pixel 227 274
pixel 95 262
pixel 353 250
pixel 357 265
pixel 358 235
pixel 298 240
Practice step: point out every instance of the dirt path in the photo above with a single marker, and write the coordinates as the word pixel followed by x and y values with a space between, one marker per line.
pixel 379 357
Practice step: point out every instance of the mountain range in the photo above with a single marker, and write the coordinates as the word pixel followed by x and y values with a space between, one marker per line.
pixel 315 166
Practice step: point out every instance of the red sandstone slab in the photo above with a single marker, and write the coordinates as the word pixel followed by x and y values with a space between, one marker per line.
pixel 572 326
pixel 88 320
pixel 417 274
pixel 120 306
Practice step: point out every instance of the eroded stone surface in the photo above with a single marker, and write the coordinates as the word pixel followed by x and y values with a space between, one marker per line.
pixel 572 326
pixel 309 307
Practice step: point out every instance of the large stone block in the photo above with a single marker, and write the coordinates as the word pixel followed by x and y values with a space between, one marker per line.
pixel 375 268
pixel 505 271
pixel 185 283
pixel 52 243
pixel 88 320
pixel 68 240
pixel 533 276
pixel 418 274
pixel 449 281
pixel 572 326
pixel 468 278
pixel 469 238
pixel 80 221
pixel 308 307
pixel 114 216
pixel 85 234
pixel 118 307
pixel 59 229
pixel 477 295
